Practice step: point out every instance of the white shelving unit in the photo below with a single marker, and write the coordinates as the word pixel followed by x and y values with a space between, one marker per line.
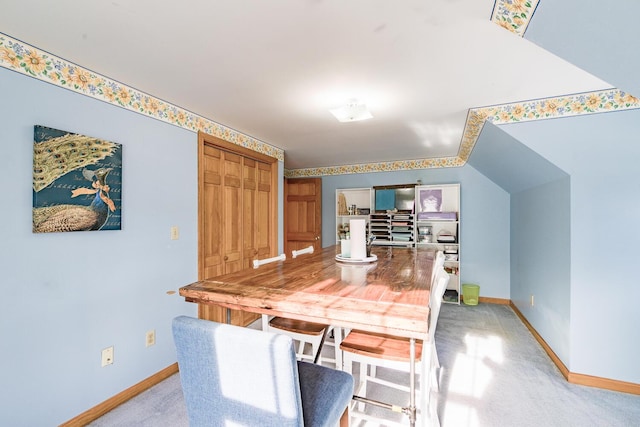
pixel 360 198
pixel 396 229
pixel 433 223
pixel 438 227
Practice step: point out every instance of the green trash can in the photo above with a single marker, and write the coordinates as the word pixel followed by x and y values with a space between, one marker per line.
pixel 470 294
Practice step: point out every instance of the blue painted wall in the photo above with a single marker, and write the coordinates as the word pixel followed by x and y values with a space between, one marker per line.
pixel 484 219
pixel 600 154
pixel 67 296
pixel 540 232
pixel 541 261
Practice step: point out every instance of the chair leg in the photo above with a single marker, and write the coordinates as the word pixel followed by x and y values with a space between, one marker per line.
pixel 362 389
pixel 435 369
pixel 424 394
pixel 345 418
pixel 337 340
pixel 433 411
pixel 314 350
pixel 347 366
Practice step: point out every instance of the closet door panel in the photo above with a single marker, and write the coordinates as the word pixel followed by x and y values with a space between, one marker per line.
pixel 232 208
pixel 237 214
pixel 211 256
pixel 249 215
pixel 264 211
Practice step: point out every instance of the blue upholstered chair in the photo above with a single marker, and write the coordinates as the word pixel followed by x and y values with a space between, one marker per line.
pixel 243 377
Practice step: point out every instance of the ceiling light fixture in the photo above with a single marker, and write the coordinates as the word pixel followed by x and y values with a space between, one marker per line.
pixel 352 112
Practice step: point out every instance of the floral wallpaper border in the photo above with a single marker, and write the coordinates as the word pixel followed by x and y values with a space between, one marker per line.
pixel 514 15
pixel 548 108
pixel 539 109
pixel 442 162
pixel 33 62
pixel 30 61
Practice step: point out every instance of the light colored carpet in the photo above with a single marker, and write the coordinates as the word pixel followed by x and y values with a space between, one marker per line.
pixel 494 374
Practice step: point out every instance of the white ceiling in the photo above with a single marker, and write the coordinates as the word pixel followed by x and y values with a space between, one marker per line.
pixel 273 69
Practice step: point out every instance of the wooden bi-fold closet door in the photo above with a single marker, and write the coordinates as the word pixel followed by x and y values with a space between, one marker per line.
pixel 237 213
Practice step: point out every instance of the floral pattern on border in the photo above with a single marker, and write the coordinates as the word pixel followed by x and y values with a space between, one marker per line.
pixel 539 109
pixel 443 162
pixel 28 60
pixel 514 15
pixel 547 108
pixel 35 63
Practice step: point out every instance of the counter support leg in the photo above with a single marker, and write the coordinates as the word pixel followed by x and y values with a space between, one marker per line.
pixel 412 382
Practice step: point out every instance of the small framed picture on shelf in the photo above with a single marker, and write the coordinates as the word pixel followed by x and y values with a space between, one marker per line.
pixel 430 200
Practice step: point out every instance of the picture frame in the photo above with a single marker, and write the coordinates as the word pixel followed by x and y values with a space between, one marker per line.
pixel 431 200
pixel 77 182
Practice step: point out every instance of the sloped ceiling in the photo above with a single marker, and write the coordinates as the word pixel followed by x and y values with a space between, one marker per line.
pixel 591 37
pixel 509 163
pixel 264 75
pixel 598 37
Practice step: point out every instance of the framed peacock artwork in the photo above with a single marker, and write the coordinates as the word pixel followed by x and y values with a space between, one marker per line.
pixel 77 182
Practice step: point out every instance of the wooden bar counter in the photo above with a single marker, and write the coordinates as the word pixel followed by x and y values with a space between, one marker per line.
pixel 390 295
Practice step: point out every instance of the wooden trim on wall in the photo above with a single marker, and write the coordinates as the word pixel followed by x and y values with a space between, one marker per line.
pixel 234 148
pixel 572 377
pixel 606 383
pixel 554 357
pixel 490 300
pixel 120 398
pixel 201 144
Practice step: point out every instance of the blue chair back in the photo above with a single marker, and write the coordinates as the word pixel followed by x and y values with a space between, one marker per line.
pixel 237 376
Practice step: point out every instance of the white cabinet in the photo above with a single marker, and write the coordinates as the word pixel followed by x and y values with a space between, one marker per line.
pixel 438 227
pixel 351 203
pixel 431 219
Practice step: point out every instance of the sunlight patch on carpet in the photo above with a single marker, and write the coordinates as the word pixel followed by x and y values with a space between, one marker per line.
pixel 472 373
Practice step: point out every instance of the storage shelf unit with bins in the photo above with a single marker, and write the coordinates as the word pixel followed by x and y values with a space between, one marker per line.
pixel 393 228
pixel 392 220
pixel 352 203
pixel 438 227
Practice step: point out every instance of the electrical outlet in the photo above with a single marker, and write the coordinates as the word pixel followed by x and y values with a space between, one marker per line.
pixel 175 233
pixel 150 338
pixel 107 356
pixel 531 300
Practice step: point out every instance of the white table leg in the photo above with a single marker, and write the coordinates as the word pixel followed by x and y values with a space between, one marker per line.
pixel 412 382
pixel 265 322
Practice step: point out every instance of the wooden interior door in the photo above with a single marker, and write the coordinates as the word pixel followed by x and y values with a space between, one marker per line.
pixel 220 250
pixel 302 213
pixel 237 214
